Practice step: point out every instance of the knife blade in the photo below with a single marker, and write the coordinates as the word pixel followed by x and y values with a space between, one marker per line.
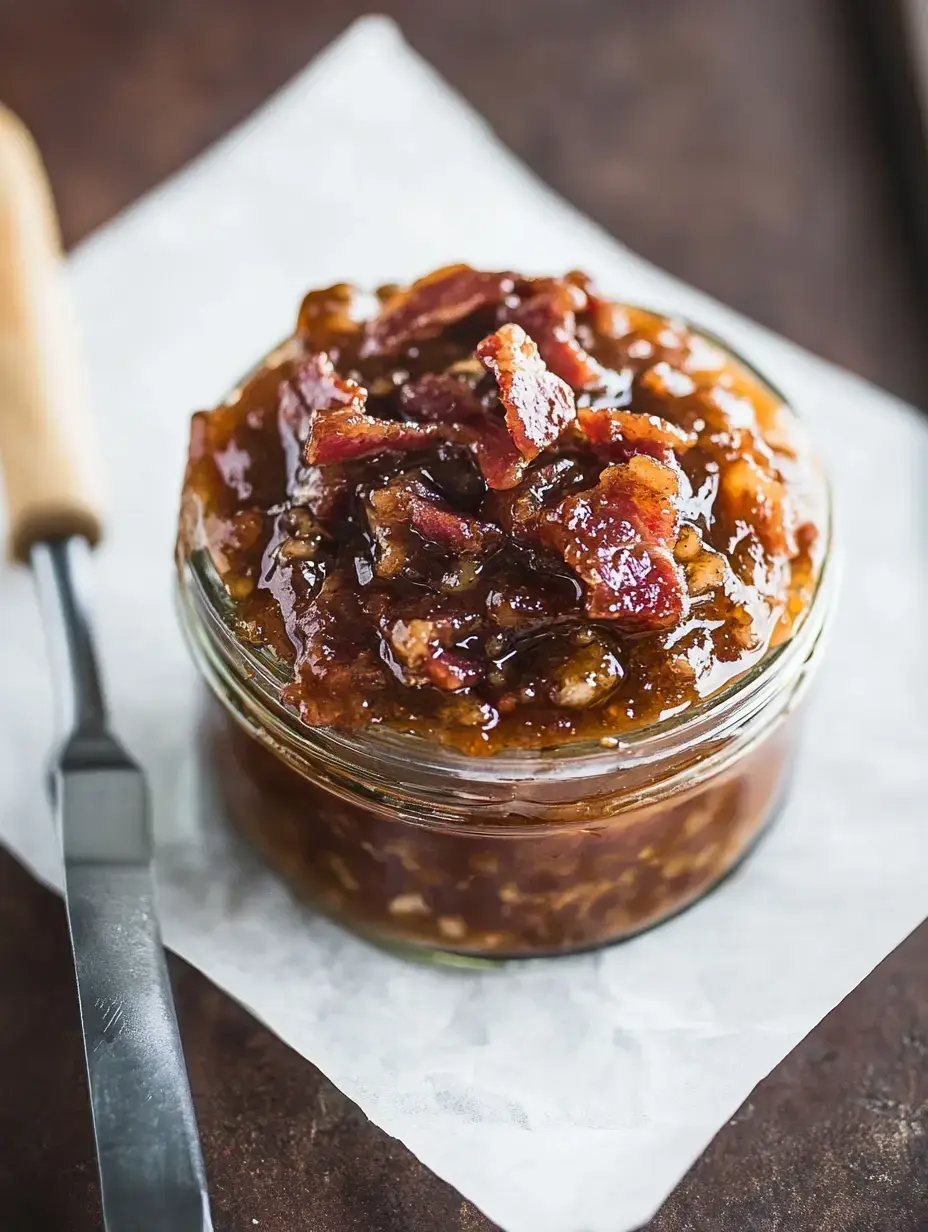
pixel 152 1177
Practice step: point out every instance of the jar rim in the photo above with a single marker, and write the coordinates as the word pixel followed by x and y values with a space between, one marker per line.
pixel 712 717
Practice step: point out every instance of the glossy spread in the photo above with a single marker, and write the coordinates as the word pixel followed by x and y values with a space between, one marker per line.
pixel 503 512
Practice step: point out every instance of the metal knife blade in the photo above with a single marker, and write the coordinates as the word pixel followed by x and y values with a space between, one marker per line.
pixel 151 1168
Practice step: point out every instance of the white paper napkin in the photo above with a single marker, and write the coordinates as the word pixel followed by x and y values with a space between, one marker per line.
pixel 561 1096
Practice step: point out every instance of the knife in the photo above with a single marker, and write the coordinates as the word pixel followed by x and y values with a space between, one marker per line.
pixel 152 1177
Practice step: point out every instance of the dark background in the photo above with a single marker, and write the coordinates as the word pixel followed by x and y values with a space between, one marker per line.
pixel 738 143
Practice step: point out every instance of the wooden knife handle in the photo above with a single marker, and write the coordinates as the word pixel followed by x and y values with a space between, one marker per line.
pixel 46 441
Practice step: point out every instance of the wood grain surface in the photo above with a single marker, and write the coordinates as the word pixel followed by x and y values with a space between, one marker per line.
pixel 735 143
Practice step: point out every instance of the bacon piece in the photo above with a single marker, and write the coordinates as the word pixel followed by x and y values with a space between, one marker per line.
pixel 347 435
pixel 431 304
pixel 453 670
pixel 334 425
pixel 408 502
pixel 618 538
pixel 408 505
pixel 440 397
pixel 443 398
pixel 324 492
pixel 619 434
pixel 417 644
pixel 316 388
pixel 549 316
pixel 438 523
pixel 539 405
pixel 501 464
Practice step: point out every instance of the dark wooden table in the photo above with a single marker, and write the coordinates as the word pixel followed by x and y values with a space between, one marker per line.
pixel 734 143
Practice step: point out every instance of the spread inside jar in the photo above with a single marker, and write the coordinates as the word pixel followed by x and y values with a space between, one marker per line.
pixel 504 512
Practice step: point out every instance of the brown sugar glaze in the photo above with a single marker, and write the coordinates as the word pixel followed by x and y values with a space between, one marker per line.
pixel 507 517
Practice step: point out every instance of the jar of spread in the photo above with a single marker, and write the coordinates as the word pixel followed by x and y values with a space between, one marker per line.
pixel 506 595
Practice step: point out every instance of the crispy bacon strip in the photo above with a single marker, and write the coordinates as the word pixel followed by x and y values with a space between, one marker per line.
pixel 432 304
pixel 438 523
pixel 336 428
pixel 549 316
pixel 538 404
pixel 619 434
pixel 618 538
pixel 347 435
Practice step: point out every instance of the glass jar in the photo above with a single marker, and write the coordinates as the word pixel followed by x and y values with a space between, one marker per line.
pixel 458 858
pixel 418 847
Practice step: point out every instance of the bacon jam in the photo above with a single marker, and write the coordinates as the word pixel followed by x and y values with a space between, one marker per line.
pixel 503 512
pixel 493 539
